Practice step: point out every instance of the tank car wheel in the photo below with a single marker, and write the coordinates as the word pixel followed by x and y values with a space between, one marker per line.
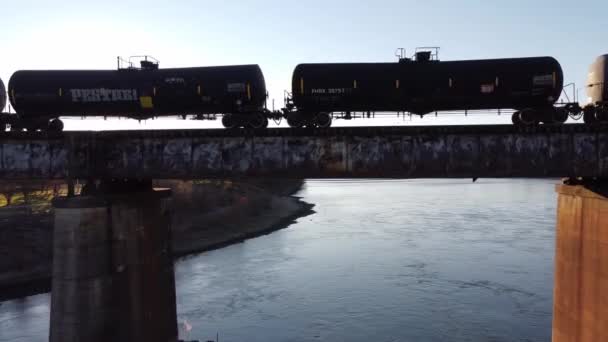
pixel 55 125
pixel 294 121
pixel 16 128
pixel 528 117
pixel 589 116
pixel 257 120
pixel 559 115
pixel 323 120
pixel 515 119
pixel 229 121
pixel 601 114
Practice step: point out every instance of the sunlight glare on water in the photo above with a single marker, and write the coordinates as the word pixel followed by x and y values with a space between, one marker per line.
pixel 411 260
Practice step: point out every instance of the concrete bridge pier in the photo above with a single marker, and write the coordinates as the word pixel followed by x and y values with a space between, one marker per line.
pixel 580 303
pixel 113 274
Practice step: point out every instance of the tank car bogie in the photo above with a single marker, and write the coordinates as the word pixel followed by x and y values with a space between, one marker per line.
pixel 298 119
pixel 534 116
pixel 255 120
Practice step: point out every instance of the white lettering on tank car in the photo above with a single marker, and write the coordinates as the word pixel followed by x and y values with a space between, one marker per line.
pixel 116 95
pixel 330 91
pixel 543 80
pixel 174 80
pixel 103 95
pixel 236 87
pixel 95 96
pixel 76 95
pixel 487 88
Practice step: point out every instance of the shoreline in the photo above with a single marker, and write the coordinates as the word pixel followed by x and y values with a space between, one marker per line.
pixel 286 209
pixel 304 210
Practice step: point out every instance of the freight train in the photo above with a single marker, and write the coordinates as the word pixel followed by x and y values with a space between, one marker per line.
pixel 320 92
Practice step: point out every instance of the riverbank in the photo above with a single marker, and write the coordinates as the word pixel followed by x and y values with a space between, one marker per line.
pixel 255 208
pixel 207 214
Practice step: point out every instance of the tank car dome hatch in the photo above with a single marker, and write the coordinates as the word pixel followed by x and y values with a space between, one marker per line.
pixel 146 62
pixel 427 54
pixel 423 56
pixel 2 96
pixel 597 91
pixel 148 65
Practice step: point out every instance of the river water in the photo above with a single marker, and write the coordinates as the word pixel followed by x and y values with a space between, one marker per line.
pixel 380 260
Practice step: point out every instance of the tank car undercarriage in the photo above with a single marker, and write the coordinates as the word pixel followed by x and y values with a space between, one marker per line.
pixel 301 119
pixel 255 120
pixel 535 116
pixel 13 123
pixel 559 114
pixel 591 114
pixel 596 114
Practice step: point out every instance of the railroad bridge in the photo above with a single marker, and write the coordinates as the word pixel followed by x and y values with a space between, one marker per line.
pixel 108 243
pixel 392 152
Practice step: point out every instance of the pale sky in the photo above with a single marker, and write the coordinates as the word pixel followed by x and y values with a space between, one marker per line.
pixel 278 35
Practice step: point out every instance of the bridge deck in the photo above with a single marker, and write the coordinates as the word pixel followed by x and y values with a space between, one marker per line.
pixel 395 152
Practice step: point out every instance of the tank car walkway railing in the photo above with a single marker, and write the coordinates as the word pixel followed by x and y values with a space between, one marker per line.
pixel 389 152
